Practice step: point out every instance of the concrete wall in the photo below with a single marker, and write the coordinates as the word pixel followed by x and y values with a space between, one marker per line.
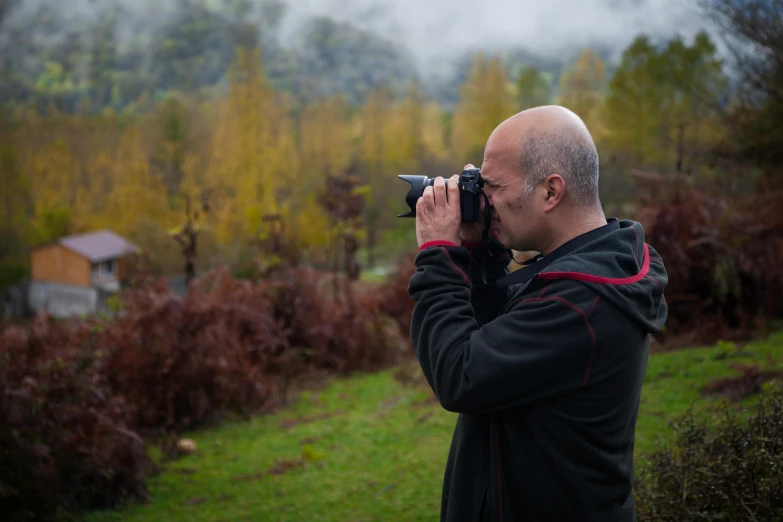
pixel 61 300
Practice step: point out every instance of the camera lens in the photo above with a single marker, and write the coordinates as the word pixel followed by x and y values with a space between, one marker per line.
pixel 418 184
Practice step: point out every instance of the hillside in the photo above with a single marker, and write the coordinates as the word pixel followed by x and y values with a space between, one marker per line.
pixel 116 56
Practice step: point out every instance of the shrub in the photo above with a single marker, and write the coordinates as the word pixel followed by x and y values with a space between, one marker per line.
pixel 734 472
pixel 183 361
pixel 393 294
pixel 332 325
pixel 65 438
pixel 724 260
pixel 77 394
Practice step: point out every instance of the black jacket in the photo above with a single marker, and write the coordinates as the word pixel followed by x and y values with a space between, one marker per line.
pixel 545 366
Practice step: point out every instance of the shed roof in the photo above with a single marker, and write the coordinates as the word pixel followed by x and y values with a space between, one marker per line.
pixel 98 246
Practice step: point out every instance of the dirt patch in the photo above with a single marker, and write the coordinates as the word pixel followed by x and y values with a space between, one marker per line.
pixel 184 471
pixel 290 423
pixel 750 381
pixel 284 465
pixel 194 501
pixel 390 403
pixel 430 400
pixel 249 477
pixel 424 417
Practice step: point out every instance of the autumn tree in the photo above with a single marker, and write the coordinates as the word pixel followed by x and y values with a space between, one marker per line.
pixel 137 193
pixel 486 99
pixel 662 104
pixel 172 122
pixel 325 149
pixel 373 149
pixel 14 201
pixel 532 89
pixel 631 114
pixel 254 160
pixel 581 87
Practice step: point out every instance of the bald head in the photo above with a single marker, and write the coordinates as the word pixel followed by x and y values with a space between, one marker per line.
pixel 550 140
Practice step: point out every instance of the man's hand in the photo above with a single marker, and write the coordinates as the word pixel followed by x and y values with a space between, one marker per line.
pixel 438 215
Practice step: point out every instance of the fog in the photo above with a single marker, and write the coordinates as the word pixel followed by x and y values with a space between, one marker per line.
pixel 433 32
pixel 439 28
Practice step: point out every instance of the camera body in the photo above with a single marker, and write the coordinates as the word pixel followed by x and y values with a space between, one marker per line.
pixel 470 186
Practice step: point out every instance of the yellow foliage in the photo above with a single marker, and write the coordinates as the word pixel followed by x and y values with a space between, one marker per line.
pixel 486 99
pixel 581 88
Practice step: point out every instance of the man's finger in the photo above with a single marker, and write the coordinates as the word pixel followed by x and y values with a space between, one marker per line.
pixel 428 196
pixel 453 192
pixel 440 191
pixel 468 166
pixel 420 206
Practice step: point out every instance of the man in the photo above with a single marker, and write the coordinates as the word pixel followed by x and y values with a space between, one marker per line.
pixel 544 365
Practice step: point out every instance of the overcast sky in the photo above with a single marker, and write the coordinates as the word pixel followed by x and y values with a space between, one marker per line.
pixel 438 27
pixel 434 29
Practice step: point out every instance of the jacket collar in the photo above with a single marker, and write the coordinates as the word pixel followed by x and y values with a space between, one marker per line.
pixel 539 263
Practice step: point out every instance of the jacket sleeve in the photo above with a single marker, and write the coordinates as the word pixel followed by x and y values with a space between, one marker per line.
pixel 538 348
pixel 487 299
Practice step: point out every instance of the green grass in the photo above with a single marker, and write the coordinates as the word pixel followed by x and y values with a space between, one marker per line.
pixel 374 448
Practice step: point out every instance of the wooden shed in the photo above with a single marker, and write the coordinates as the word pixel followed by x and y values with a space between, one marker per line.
pixel 92 259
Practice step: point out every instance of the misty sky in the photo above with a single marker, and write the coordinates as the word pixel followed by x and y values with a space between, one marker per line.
pixel 437 30
pixel 438 27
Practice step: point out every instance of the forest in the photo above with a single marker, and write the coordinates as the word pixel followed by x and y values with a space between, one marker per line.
pixel 206 116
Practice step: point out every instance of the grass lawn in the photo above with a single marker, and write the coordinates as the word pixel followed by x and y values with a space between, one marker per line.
pixel 373 447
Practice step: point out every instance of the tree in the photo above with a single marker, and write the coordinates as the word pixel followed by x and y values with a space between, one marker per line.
pixel 14 199
pixel 373 118
pixel 486 100
pixel 631 113
pixel 324 139
pixel 254 163
pixel 136 192
pixel 173 122
pixel 661 104
pixel 753 31
pixel 692 90
pixel 582 85
pixel 532 89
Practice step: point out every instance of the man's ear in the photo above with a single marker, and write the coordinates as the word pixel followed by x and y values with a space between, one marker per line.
pixel 555 191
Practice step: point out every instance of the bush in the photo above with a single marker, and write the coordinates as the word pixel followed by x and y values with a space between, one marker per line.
pixel 333 324
pixel 77 396
pixel 64 436
pixel 734 472
pixel 724 260
pixel 395 301
pixel 183 361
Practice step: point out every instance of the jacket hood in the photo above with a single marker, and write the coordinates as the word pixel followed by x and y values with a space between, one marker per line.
pixel 623 269
pixel 616 261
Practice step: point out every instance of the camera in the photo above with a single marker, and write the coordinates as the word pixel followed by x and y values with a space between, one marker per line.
pixel 470 190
